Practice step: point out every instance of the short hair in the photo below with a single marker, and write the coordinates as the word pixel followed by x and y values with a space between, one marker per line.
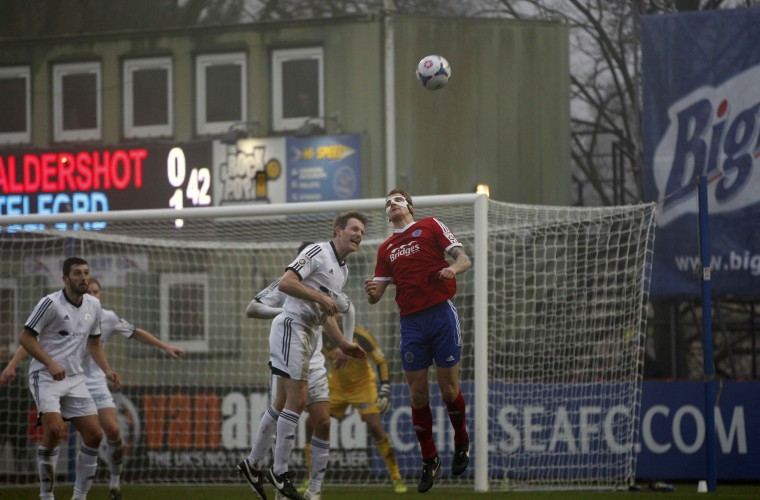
pixel 341 220
pixel 96 281
pixel 406 196
pixel 71 262
pixel 304 244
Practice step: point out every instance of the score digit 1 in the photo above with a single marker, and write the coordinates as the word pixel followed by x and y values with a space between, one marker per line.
pixel 175 172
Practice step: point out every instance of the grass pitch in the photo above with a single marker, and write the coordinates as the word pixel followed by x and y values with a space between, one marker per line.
pixel 332 492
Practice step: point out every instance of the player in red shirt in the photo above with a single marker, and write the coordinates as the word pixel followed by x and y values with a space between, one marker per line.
pixel 413 259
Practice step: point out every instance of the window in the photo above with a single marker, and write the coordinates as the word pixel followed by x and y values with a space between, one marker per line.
pixel 148 110
pixel 297 86
pixel 220 92
pixel 184 311
pixel 76 102
pixel 15 105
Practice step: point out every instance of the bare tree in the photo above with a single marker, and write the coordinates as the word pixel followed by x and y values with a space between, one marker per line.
pixel 607 151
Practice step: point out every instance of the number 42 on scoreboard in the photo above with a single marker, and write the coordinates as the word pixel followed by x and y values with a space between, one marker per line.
pixel 196 187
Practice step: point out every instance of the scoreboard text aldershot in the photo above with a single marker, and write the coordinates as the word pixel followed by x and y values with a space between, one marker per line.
pixel 105 179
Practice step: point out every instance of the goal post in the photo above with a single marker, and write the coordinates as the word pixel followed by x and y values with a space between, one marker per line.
pixel 553 317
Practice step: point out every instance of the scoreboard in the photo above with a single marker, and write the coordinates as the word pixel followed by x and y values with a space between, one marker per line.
pixel 104 179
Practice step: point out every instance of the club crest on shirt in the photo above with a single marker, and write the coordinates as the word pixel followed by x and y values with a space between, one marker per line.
pixel 417 233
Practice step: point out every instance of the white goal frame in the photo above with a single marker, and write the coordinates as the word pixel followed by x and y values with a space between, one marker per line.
pixel 480 269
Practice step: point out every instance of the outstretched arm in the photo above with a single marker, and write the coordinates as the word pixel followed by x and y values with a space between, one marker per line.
pixel 258 310
pixel 146 337
pixel 9 372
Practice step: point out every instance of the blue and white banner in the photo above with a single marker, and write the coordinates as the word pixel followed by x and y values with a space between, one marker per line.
pixel 201 433
pixel 701 116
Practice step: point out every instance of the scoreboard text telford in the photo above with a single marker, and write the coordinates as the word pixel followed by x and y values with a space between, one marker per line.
pixel 104 179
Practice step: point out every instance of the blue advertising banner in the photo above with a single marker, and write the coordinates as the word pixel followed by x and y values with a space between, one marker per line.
pixel 201 433
pixel 701 94
pixel 673 431
pixel 324 168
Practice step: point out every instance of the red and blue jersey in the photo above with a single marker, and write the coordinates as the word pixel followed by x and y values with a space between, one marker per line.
pixel 411 259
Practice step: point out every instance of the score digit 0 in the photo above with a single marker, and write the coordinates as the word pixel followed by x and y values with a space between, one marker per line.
pixel 198 185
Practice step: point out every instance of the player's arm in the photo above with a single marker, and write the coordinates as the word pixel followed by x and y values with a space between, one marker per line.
pixel 332 330
pixel 375 289
pixel 9 372
pixel 28 341
pixel 257 310
pixel 95 347
pixel 148 338
pixel 291 284
pixel 461 263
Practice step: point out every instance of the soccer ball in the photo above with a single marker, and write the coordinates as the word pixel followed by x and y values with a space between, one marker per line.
pixel 433 72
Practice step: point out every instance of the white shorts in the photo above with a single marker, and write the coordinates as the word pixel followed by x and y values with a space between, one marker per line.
pixel 291 347
pixel 319 387
pixel 101 394
pixel 69 396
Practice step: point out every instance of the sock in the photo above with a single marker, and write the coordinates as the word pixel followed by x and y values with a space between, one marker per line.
pixel 115 452
pixel 320 450
pixel 47 459
pixel 385 449
pixel 264 438
pixel 87 464
pixel 307 457
pixel 458 421
pixel 422 419
pixel 286 438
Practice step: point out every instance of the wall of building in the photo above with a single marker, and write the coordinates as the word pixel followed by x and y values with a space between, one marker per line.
pixel 503 120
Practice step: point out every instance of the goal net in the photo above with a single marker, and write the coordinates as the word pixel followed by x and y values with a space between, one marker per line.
pixel 552 314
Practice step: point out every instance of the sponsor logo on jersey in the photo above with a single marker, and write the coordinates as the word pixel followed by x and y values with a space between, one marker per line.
pixel 417 233
pixel 404 250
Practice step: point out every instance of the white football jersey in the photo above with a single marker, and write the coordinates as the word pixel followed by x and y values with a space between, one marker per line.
pixel 271 296
pixel 110 323
pixel 62 329
pixel 318 267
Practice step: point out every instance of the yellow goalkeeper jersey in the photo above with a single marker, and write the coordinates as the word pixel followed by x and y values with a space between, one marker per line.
pixel 356 373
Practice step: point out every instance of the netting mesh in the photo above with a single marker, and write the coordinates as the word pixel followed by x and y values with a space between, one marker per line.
pixel 567 290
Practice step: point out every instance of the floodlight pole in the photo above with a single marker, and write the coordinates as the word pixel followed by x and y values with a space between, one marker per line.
pixel 709 363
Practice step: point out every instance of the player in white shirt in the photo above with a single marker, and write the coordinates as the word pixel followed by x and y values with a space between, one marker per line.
pixel 97 383
pixel 312 282
pixel 266 305
pixel 62 328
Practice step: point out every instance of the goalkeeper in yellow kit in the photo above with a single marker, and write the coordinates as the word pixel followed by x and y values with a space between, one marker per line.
pixel 352 382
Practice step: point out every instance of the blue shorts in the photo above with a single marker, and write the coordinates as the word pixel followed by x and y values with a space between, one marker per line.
pixel 431 334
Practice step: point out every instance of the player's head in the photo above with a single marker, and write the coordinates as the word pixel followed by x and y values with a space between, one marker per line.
pixel 341 220
pixel 94 287
pixel 76 275
pixel 398 197
pixel 304 244
pixel 348 232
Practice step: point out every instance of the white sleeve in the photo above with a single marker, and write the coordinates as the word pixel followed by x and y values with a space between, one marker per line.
pixel 267 304
pixel 349 322
pixel 258 310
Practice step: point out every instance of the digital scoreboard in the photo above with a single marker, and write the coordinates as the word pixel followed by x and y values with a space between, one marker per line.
pixel 106 179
